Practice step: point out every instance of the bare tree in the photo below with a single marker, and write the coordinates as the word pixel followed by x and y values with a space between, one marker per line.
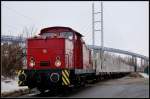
pixel 10 59
pixel 29 31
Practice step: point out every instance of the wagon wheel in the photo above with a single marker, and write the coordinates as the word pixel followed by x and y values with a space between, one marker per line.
pixel 83 81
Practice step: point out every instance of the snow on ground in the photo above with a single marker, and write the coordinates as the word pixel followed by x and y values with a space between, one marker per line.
pixel 10 85
pixel 144 75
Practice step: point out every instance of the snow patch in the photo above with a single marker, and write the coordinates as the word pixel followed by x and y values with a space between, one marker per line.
pixel 10 85
pixel 144 75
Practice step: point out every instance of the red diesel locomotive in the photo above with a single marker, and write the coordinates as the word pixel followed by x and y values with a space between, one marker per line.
pixel 57 58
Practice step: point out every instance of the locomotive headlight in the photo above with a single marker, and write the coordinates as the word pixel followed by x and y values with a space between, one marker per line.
pixel 57 62
pixel 32 62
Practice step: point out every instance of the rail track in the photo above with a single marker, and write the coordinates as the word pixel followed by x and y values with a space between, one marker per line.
pixel 126 83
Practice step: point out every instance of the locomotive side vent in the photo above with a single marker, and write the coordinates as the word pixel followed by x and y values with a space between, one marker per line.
pixel 44 63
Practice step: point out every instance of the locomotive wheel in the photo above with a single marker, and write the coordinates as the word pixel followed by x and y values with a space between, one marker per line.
pixel 77 82
pixel 30 87
pixel 83 81
pixel 42 90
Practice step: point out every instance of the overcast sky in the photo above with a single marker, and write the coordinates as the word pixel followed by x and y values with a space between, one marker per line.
pixel 126 23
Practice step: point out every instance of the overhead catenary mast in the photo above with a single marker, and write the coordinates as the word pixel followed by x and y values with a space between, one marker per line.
pixel 94 22
pixel 102 38
pixel 93 34
pixel 95 30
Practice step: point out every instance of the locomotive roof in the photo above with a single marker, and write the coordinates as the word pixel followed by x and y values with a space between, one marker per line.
pixel 45 30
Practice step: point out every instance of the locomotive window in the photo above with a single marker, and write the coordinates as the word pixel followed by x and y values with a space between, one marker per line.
pixel 68 35
pixel 49 34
